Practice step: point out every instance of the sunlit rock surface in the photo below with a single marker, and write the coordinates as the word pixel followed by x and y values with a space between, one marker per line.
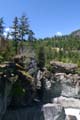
pixel 67 102
pixel 53 112
pixel 71 105
pixel 72 112
pixel 69 84
pixel 71 117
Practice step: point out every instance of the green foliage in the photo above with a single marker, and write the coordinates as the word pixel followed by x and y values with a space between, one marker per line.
pixel 19 30
pixel 1 58
pixel 17 90
pixel 31 37
pixel 41 57
pixel 64 48
pixel 1 27
pixel 24 26
pixel 15 33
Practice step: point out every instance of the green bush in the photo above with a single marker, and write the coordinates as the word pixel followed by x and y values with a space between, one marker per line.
pixel 41 57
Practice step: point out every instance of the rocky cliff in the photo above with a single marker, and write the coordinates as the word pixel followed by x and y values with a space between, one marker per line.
pixel 26 94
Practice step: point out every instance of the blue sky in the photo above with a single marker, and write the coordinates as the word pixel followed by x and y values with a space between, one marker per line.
pixel 46 17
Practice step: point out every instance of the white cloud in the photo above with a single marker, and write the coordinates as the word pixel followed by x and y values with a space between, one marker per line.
pixel 6 31
pixel 5 34
pixel 59 33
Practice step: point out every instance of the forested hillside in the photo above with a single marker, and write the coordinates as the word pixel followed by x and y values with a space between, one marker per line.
pixel 63 48
pixel 21 38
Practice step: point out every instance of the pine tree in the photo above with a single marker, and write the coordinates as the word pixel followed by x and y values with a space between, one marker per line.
pixel 31 37
pixel 1 27
pixel 24 26
pixel 15 33
pixel 41 57
pixel 24 29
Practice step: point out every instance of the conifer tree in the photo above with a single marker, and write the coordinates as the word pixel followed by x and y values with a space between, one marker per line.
pixel 23 28
pixel 1 27
pixel 41 57
pixel 15 33
pixel 31 37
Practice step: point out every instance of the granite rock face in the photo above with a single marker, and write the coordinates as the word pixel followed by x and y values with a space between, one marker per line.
pixel 48 85
pixel 53 112
pixel 67 102
pixel 69 84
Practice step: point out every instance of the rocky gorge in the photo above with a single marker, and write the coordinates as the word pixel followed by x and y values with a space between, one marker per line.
pixel 44 98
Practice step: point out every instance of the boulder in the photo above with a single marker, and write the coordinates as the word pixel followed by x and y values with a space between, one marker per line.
pixel 72 113
pixel 44 85
pixel 67 102
pixel 53 112
pixel 63 67
pixel 70 117
pixel 69 84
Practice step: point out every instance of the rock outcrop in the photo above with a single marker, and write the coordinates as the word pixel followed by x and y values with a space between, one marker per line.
pixel 70 117
pixel 53 112
pixel 68 84
pixel 16 87
pixel 63 67
pixel 67 102
pixel 29 89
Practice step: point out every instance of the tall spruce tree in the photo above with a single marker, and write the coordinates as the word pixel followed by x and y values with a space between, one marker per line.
pixel 24 29
pixel 31 37
pixel 41 57
pixel 24 26
pixel 15 33
pixel 1 27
